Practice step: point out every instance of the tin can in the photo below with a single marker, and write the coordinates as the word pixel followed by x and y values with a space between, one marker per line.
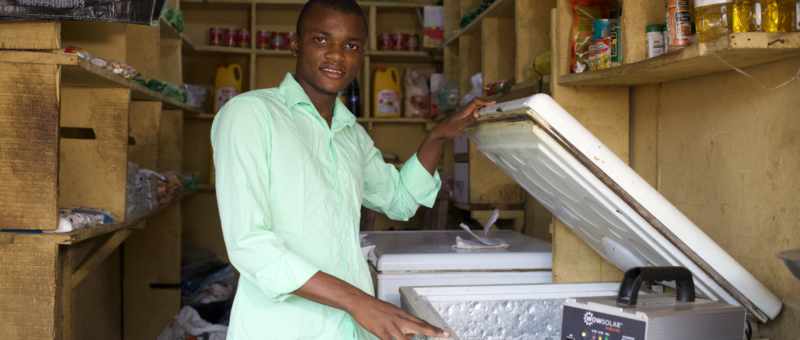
pixel 601 28
pixel 230 37
pixel 215 36
pixel 289 39
pixel 262 39
pixel 278 41
pixel 602 53
pixel 412 43
pixel 680 24
pixel 243 38
pixel 592 55
pixel 398 43
pixel 386 42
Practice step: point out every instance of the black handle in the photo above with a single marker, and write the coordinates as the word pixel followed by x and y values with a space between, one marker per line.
pixel 629 288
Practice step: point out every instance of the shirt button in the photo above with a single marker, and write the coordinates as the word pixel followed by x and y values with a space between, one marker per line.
pixel 347 233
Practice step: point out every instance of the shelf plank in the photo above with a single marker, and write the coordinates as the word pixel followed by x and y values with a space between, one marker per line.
pixel 739 49
pixel 78 72
pixel 209 49
pixel 170 32
pixel 498 9
pixel 401 56
pixel 302 2
pixel 523 89
pixel 81 234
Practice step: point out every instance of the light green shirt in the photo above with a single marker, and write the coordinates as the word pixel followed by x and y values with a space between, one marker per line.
pixel 290 191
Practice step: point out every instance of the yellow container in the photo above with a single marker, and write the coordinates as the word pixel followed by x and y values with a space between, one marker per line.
pixel 713 18
pixel 756 16
pixel 227 85
pixel 386 93
pixel 789 16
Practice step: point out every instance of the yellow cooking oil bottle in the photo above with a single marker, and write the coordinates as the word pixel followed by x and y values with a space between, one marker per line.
pixel 227 85
pixel 713 18
pixel 756 16
pixel 386 93
pixel 789 16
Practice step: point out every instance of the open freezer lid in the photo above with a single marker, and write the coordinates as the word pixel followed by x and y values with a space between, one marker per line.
pixel 432 251
pixel 585 185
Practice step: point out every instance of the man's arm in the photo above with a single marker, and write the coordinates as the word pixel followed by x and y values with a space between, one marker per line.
pixel 430 151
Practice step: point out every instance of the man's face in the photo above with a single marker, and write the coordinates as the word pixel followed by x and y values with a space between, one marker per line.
pixel 330 49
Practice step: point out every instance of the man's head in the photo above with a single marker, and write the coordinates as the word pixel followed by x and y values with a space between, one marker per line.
pixel 329 45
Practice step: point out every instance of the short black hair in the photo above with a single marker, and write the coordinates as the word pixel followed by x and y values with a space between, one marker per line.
pixel 341 6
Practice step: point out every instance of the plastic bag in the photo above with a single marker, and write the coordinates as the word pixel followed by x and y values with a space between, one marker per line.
pixel 584 12
pixel 448 96
pixel 170 189
pixel 477 82
pixel 418 94
pixel 189 325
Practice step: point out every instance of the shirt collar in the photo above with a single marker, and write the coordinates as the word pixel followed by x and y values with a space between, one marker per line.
pixel 294 94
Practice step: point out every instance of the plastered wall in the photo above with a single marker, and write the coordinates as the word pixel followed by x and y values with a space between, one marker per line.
pixel 726 153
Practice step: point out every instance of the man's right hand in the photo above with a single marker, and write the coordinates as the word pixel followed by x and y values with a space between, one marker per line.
pixel 380 318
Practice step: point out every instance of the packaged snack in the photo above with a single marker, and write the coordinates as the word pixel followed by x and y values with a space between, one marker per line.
pixel 585 12
pixel 418 93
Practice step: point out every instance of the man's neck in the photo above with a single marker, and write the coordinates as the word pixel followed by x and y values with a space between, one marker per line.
pixel 323 102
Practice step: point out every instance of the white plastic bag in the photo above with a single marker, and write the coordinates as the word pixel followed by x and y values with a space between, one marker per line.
pixel 477 88
pixel 189 324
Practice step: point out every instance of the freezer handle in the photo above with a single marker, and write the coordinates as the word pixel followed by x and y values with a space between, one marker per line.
pixel 629 288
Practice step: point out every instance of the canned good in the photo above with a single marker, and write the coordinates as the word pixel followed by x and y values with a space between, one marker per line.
pixel 601 28
pixel 215 36
pixel 680 25
pixel 398 43
pixel 412 43
pixel 289 39
pixel 592 56
pixel 386 42
pixel 230 37
pixel 278 41
pixel 262 39
pixel 243 38
pixel 602 53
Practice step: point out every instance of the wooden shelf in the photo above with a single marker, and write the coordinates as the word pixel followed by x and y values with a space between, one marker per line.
pixel 739 49
pixel 80 234
pixel 498 9
pixel 402 56
pixel 206 187
pixel 209 49
pixel 429 124
pixel 78 72
pixel 302 2
pixel 523 89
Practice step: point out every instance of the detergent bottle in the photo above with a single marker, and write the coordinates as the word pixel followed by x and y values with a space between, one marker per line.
pixel 386 93
pixel 227 85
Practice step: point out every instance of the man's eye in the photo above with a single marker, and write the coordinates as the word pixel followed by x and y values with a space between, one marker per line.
pixel 352 46
pixel 319 40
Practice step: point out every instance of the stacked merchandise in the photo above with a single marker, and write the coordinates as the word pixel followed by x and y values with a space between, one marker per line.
pixel 141 191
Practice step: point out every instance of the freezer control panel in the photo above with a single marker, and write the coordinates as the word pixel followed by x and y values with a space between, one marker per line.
pixel 583 324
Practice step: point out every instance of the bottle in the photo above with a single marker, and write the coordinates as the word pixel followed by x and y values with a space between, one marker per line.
pixel 616 37
pixel 354 99
pixel 343 96
pixel 227 85
pixel 386 93
pixel 756 16
pixel 713 18
pixel 789 15
pixel 655 40
pixel 665 31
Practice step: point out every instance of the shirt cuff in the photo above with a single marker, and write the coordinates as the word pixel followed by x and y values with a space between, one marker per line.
pixel 284 276
pixel 423 187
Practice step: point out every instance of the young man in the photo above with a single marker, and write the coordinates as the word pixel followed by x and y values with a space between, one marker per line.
pixel 293 170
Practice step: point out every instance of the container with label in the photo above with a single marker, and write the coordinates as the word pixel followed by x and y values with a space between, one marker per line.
pixel 655 41
pixel 680 24
pixel 215 36
pixel 386 42
pixel 602 51
pixel 616 36
pixel 592 55
pixel 278 41
pixel 665 31
pixel 756 16
pixel 713 18
pixel 230 37
pixel 262 39
pixel 601 28
pixel 412 43
pixel 386 93
pixel 398 42
pixel 789 15
pixel 227 84
pixel 243 38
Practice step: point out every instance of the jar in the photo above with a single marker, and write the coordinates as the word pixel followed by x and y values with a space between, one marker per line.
pixel 756 16
pixel 713 18
pixel 789 15
pixel 679 22
pixel 655 41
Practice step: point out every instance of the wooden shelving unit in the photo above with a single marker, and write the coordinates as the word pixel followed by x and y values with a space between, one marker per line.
pixel 498 9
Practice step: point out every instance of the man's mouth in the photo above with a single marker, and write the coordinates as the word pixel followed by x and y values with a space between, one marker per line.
pixel 332 73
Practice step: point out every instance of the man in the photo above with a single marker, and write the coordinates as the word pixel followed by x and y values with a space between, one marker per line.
pixel 293 170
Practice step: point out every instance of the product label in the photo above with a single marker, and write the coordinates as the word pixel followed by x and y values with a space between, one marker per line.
pixel 388 103
pixel 615 36
pixel 758 14
pixel 224 94
pixel 584 324
pixel 602 53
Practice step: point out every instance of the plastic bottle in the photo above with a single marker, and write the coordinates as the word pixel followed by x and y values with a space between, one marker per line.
pixel 789 15
pixel 343 96
pixel 386 93
pixel 756 16
pixel 227 85
pixel 616 37
pixel 655 40
pixel 713 18
pixel 354 99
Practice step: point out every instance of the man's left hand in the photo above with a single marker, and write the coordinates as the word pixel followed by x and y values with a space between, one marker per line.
pixel 454 125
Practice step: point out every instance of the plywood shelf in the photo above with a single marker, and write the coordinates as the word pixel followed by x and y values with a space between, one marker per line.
pixel 498 9
pixel 78 72
pixel 211 50
pixel 739 50
pixel 80 234
pixel 401 56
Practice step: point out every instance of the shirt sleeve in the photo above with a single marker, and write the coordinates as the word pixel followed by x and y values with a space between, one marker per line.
pixel 240 138
pixel 397 194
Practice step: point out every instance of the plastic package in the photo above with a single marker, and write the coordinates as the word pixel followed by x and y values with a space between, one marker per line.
pixel 418 95
pixel 78 217
pixel 195 95
pixel 477 81
pixel 496 87
pixel 448 96
pixel 142 191
pixel 585 12
pixel 171 188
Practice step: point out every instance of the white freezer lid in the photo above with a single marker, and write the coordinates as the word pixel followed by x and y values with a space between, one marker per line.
pixel 578 179
pixel 433 251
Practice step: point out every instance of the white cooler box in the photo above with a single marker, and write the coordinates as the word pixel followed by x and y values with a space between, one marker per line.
pixel 425 258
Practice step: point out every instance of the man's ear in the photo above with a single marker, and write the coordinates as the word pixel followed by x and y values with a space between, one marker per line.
pixel 294 44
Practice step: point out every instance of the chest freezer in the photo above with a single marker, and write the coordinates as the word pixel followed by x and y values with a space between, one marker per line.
pixel 425 258
pixel 603 201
